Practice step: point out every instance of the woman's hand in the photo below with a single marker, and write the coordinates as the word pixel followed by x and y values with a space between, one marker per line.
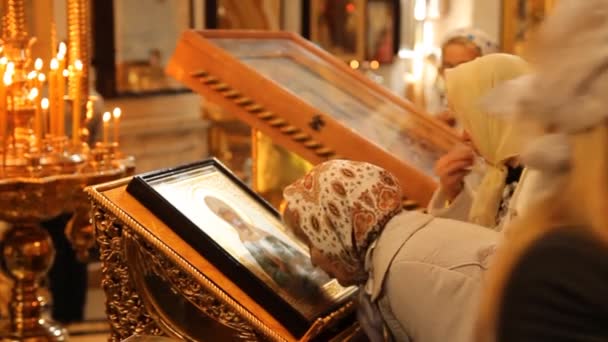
pixel 447 117
pixel 452 168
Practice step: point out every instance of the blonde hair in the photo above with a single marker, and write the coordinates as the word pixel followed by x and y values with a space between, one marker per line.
pixel 579 201
pixel 495 137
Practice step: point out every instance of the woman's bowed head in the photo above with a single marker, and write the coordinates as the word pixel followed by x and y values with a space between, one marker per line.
pixel 339 209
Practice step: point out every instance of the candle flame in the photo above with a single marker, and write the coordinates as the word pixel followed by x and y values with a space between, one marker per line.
pixel 41 78
pixel 89 110
pixel 38 64
pixel 33 94
pixel 65 73
pixel 62 48
pixel 3 60
pixel 54 64
pixel 117 113
pixel 8 79
pixel 31 75
pixel 106 117
pixel 44 103
pixel 78 65
pixel 10 67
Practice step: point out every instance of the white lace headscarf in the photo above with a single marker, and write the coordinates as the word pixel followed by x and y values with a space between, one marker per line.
pixel 495 138
pixel 568 91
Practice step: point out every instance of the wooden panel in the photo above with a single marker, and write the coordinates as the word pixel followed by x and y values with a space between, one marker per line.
pixel 289 120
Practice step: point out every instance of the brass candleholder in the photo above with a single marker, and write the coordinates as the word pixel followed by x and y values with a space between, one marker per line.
pixel 43 171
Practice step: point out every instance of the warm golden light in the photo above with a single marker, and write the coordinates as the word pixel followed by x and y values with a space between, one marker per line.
pixel 62 50
pixel 54 64
pixel 8 79
pixel 89 113
pixel 107 117
pixel 116 113
pixel 31 75
pixel 78 65
pixel 374 64
pixel 354 64
pixel 38 64
pixel 41 78
pixel 3 61
pixel 33 94
pixel 44 103
pixel 65 73
pixel 10 67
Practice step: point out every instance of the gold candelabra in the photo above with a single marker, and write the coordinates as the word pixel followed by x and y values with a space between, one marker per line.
pixel 42 169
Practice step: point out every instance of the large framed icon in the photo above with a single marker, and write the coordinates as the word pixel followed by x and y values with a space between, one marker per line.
pixel 242 235
pixel 311 103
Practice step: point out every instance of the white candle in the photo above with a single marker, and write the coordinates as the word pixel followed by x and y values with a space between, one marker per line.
pixel 116 113
pixel 106 126
pixel 44 105
pixel 76 108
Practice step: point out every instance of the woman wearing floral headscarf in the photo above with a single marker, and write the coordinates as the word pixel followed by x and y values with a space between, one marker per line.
pixel 419 275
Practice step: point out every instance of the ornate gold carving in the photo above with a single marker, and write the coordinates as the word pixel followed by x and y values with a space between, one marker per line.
pixel 277 122
pixel 231 94
pixel 243 101
pixel 209 80
pixel 220 87
pixel 289 130
pixel 301 137
pixel 255 108
pixel 324 152
pixel 266 115
pixel 312 144
pixel 200 73
pixel 183 283
pixel 124 308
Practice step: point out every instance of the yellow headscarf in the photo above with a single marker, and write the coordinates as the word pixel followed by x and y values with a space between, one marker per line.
pixel 495 137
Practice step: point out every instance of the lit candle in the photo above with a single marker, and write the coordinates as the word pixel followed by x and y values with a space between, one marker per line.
pixel 38 66
pixel 116 113
pixel 61 80
pixel 44 105
pixel 106 126
pixel 54 115
pixel 89 113
pixel 76 108
pixel 41 80
pixel 61 55
pixel 3 89
pixel 62 75
pixel 33 97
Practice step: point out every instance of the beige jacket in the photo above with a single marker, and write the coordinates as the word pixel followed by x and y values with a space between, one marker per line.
pixel 425 276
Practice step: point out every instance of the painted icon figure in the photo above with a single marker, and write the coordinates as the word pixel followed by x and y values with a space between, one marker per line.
pixel 288 267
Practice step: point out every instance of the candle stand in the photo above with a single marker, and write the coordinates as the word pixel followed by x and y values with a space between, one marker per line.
pixel 42 170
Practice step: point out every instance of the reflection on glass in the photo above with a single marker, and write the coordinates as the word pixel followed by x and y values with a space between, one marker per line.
pixel 286 265
pixel 145 42
pixel 336 93
pixel 253 236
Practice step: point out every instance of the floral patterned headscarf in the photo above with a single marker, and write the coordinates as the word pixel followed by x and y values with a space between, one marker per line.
pixel 342 206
